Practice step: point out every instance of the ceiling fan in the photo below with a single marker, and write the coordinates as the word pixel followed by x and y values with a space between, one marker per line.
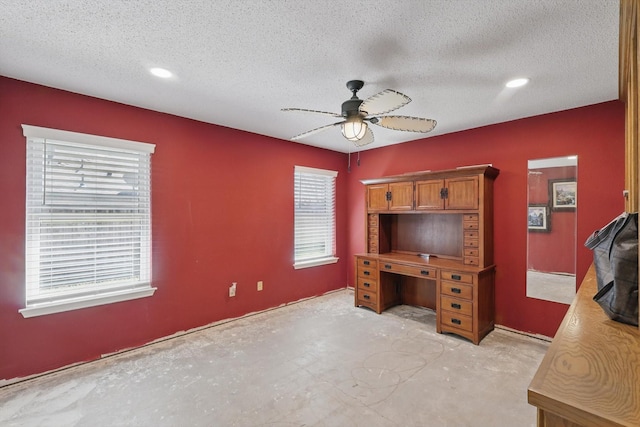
pixel 357 112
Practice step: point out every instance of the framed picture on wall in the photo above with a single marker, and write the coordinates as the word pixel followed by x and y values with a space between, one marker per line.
pixel 538 218
pixel 562 194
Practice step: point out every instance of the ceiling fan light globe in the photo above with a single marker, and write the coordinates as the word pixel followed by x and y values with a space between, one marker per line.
pixel 354 129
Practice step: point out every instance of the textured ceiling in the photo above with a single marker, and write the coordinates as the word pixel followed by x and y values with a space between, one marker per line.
pixel 237 63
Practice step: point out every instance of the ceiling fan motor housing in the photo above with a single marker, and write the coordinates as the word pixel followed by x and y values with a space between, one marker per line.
pixel 351 106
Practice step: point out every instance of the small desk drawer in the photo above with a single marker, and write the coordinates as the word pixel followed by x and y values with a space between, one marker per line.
pixel 457 277
pixel 468 234
pixel 470 225
pixel 457 320
pixel 368 263
pixel 456 305
pixel 471 243
pixel 367 273
pixel 410 270
pixel 367 285
pixel 457 290
pixel 470 217
pixel 471 260
pixel 471 252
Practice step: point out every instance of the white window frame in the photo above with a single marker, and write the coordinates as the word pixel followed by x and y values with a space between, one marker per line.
pixel 43 299
pixel 326 237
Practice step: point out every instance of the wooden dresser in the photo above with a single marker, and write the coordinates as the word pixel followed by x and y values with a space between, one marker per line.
pixel 448 215
pixel 590 375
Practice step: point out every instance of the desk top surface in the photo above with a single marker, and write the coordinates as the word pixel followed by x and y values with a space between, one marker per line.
pixel 433 261
pixel 591 372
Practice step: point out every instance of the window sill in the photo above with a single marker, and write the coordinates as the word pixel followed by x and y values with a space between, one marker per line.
pixel 315 262
pixel 85 302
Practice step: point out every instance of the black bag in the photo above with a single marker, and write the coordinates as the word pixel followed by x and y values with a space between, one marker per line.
pixel 615 256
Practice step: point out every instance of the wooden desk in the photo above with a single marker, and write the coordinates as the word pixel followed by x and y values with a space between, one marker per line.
pixel 590 375
pixel 448 213
pixel 461 294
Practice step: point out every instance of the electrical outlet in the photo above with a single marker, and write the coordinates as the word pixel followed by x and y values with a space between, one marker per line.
pixel 260 285
pixel 232 289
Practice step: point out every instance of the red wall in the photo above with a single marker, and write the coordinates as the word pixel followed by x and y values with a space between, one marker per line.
pixel 594 133
pixel 222 213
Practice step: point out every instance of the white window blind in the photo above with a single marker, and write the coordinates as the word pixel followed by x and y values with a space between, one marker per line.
pixel 88 219
pixel 315 217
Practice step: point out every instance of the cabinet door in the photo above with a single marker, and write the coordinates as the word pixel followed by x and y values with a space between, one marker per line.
pixel 428 194
pixel 377 197
pixel 401 196
pixel 462 193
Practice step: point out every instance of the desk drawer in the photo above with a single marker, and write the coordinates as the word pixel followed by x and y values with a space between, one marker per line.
pixel 471 243
pixel 410 270
pixel 368 299
pixel 457 290
pixel 468 234
pixel 368 263
pixel 470 225
pixel 456 305
pixel 457 320
pixel 367 273
pixel 470 260
pixel 367 285
pixel 457 277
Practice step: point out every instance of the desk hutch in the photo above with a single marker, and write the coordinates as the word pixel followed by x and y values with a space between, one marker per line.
pixel 449 216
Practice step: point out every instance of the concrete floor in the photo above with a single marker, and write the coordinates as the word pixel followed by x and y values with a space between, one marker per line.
pixel 320 362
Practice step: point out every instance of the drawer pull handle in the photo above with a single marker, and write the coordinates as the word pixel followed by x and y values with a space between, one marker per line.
pixel 367 285
pixel 455 277
pixel 424 272
pixel 456 306
pixel 456 290
pixel 365 262
pixel 456 321
pixel 367 297
pixel 366 273
pixel 387 266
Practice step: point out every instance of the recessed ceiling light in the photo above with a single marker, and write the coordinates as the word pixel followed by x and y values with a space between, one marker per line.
pixel 517 82
pixel 161 72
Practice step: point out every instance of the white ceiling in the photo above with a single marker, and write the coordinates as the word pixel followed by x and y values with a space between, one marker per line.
pixel 238 62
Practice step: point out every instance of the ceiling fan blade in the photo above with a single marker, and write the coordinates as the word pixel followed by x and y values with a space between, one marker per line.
pixel 304 110
pixel 314 131
pixel 384 102
pixel 405 123
pixel 366 139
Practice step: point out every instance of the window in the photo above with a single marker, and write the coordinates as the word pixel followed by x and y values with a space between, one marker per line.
pixel 315 217
pixel 88 220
